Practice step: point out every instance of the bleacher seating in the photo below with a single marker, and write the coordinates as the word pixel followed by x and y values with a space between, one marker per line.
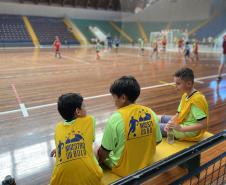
pixel 47 28
pixel 189 157
pixel 13 31
pixel 131 28
pixel 104 26
pixel 83 26
pixel 153 27
pixel 185 25
pixel 163 151
pixel 213 28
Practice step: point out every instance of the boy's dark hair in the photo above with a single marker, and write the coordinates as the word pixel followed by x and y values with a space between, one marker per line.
pixel 128 86
pixel 68 103
pixel 9 180
pixel 185 74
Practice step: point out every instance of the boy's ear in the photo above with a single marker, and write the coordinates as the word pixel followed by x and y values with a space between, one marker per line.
pixel 77 112
pixel 124 98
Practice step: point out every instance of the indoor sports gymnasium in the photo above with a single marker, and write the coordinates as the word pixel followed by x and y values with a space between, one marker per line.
pixel 122 92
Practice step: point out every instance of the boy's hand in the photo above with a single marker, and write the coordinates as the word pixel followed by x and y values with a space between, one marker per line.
pixel 53 153
pixel 166 128
pixel 175 127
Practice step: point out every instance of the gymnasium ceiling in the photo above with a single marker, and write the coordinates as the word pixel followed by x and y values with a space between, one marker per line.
pixel 116 5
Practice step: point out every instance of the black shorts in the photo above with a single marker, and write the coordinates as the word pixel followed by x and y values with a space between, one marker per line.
pixel 187 53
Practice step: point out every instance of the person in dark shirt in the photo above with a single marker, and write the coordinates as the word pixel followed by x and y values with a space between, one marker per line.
pixel 223 60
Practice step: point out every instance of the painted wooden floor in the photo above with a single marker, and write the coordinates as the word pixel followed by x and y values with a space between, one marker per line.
pixel 32 80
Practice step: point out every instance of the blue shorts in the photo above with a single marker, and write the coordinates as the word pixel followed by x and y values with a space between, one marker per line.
pixel 187 53
pixel 223 59
pixel 162 123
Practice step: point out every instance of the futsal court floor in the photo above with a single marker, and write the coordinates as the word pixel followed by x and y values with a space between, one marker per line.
pixel 31 81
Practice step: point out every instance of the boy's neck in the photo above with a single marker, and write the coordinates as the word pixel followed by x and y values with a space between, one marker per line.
pixel 190 91
pixel 127 104
pixel 69 122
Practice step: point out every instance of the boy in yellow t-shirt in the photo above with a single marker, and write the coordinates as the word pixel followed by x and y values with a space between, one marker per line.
pixel 75 160
pixel 190 122
pixel 131 133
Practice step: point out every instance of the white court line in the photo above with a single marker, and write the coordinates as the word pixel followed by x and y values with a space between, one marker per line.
pixel 104 95
pixel 199 81
pixel 10 111
pixel 41 106
pixel 98 96
pixel 156 86
pixel 22 106
pixel 208 77
pixel 24 110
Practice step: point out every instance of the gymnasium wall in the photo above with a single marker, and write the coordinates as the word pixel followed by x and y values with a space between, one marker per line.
pixel 58 11
pixel 173 10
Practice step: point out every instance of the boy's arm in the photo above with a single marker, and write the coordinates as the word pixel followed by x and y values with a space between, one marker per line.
pixel 102 154
pixel 200 124
pixel 173 119
pixel 94 128
pixel 111 137
pixel 108 141
pixel 53 153
pixel 158 131
pixel 196 127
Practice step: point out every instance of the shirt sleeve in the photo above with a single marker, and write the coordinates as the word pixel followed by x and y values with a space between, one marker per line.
pixel 111 132
pixel 179 107
pixel 158 131
pixel 198 113
pixel 94 128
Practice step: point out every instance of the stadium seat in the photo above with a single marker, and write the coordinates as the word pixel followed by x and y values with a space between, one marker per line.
pixel 13 31
pixel 47 28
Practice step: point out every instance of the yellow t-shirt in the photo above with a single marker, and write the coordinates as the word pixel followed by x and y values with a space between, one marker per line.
pixel 75 164
pixel 198 100
pixel 140 139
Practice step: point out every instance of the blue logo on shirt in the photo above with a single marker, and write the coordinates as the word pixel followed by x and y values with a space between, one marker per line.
pixel 144 123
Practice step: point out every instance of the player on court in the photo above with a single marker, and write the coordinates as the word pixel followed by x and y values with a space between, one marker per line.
pixel 164 42
pixel 116 43
pixel 223 60
pixel 57 45
pixel 180 45
pixel 187 52
pixel 141 46
pixel 195 50
pixel 98 48
pixel 155 49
